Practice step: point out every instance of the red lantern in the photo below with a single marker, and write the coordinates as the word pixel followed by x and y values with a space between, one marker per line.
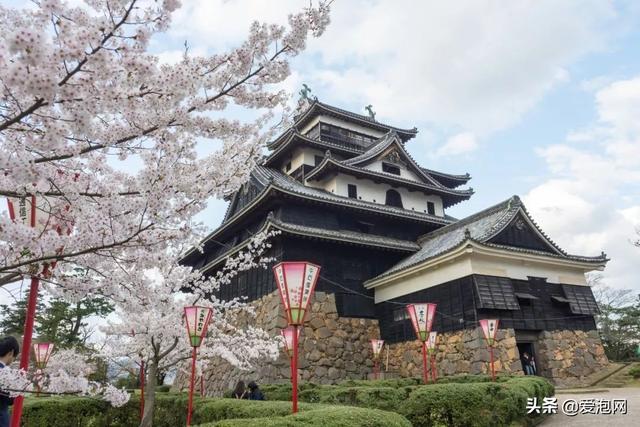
pixel 197 322
pixel 489 330
pixel 296 282
pixel 421 316
pixel 198 319
pixel 287 333
pixel 42 352
pixel 431 349
pixel 376 347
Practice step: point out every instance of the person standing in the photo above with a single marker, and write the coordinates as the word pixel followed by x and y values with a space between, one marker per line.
pixel 526 363
pixel 9 350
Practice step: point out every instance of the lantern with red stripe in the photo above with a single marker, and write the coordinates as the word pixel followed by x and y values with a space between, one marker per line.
pixel 197 322
pixel 296 282
pixel 42 352
pixel 198 319
pixel 376 348
pixel 287 333
pixel 421 316
pixel 489 330
pixel 431 350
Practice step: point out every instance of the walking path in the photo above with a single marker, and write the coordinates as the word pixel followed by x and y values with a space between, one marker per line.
pixel 632 417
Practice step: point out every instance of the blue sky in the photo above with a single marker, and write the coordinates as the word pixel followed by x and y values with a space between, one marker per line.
pixel 535 98
pixel 531 98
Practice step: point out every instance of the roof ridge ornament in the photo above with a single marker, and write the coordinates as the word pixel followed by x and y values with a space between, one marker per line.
pixel 467 234
pixel 372 114
pixel 305 93
pixel 327 154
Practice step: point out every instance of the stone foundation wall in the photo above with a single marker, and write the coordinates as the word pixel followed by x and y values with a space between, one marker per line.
pixel 332 349
pixel 460 352
pixel 568 357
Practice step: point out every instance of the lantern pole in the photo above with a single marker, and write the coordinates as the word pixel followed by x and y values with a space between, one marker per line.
pixel 142 389
pixel 425 374
pixel 493 368
pixel 192 384
pixel 16 412
pixel 296 282
pixel 434 373
pixel 294 369
pixel 197 319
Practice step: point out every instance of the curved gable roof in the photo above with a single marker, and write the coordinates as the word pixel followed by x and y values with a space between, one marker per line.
pixel 482 227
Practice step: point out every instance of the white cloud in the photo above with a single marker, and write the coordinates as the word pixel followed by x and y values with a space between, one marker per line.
pixel 475 65
pixel 461 143
pixel 592 200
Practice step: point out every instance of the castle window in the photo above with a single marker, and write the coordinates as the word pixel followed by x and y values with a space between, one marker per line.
pixel 495 293
pixel 431 208
pixel 400 314
pixel 386 167
pixel 352 191
pixel 393 199
pixel 317 160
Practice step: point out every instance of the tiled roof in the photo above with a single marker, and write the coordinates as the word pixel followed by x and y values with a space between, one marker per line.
pixel 480 227
pixel 392 138
pixel 347 236
pixel 286 183
pixel 365 120
pixel 442 177
pixel 453 196
pixel 294 135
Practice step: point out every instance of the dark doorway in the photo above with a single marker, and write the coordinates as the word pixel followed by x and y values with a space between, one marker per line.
pixel 527 348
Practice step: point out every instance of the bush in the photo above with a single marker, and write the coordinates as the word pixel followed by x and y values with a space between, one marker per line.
pixel 223 409
pixel 635 372
pixel 385 398
pixel 330 416
pixel 71 411
pixel 163 389
pixel 474 403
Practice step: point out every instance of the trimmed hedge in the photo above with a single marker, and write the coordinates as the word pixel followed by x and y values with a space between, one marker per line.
pixel 455 400
pixel 171 411
pixel 330 416
pixel 223 409
pixel 635 372
pixel 474 404
pixel 71 411
pixel 465 401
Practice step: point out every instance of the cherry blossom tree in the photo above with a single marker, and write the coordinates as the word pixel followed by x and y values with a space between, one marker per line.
pixel 106 137
pixel 149 326
pixel 65 374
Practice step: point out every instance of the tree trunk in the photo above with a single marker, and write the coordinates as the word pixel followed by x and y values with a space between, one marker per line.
pixel 150 394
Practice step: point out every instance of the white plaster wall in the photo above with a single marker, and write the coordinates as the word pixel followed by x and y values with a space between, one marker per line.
pixel 424 279
pixel 474 263
pixel 372 192
pixel 300 156
pixel 337 122
pixel 520 269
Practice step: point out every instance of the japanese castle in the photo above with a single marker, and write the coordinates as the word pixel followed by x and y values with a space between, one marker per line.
pixel 344 193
